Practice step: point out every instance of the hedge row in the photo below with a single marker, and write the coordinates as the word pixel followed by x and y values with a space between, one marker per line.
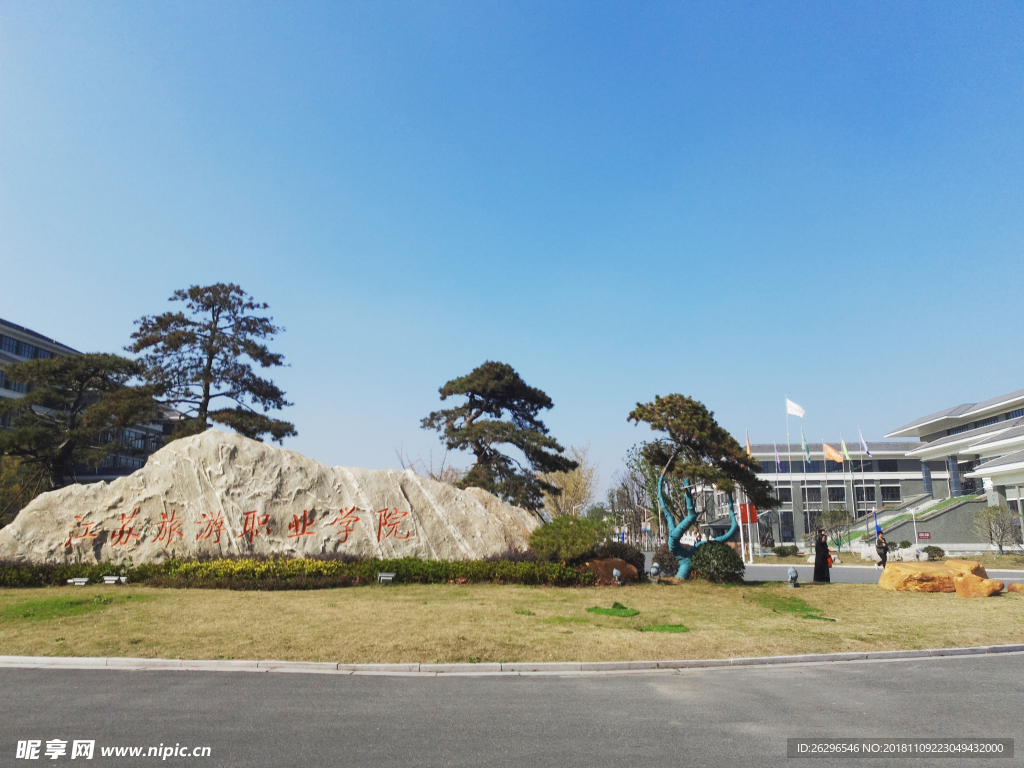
pixel 287 573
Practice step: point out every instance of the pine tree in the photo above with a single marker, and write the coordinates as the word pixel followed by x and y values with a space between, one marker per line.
pixel 501 409
pixel 196 360
pixel 72 413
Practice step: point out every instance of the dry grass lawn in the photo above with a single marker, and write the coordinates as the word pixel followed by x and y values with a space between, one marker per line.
pixel 449 623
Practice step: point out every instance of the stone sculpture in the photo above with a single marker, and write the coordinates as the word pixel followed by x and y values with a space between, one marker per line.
pixel 217 494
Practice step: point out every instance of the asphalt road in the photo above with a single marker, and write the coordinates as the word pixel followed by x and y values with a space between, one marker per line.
pixel 848 574
pixel 719 717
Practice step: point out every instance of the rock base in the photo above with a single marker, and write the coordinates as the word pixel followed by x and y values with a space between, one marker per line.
pixel 928 577
pixel 1015 587
pixel 603 568
pixel 969 585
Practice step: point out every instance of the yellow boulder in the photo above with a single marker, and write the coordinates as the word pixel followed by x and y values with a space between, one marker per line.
pixel 1015 587
pixel 967 566
pixel 917 577
pixel 969 585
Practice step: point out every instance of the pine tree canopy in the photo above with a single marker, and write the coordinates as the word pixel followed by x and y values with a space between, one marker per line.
pixel 198 361
pixel 72 413
pixel 501 409
pixel 698 449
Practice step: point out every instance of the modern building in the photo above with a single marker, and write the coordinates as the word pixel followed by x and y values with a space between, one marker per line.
pixel 886 478
pixel 981 444
pixel 18 344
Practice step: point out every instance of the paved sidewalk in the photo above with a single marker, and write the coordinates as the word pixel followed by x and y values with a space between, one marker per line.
pixel 508 669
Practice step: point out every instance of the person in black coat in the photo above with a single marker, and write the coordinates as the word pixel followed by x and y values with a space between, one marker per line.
pixel 821 557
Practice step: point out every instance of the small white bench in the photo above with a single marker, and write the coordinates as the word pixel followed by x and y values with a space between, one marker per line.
pixel 115 579
pixel 385 578
pixel 79 582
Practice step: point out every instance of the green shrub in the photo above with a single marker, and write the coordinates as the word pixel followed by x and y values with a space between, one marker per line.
pixel 935 553
pixel 905 544
pixel 668 562
pixel 786 551
pixel 891 546
pixel 717 562
pixel 622 551
pixel 297 573
pixel 565 539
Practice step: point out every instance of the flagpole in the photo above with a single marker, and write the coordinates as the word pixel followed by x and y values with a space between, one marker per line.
pixel 789 455
pixel 803 485
pixel 824 463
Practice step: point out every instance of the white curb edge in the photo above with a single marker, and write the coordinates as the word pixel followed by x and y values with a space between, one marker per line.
pixel 479 670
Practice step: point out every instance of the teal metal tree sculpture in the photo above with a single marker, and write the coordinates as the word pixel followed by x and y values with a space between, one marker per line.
pixel 695 449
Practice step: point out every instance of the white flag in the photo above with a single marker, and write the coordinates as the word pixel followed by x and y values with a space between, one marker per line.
pixel 793 409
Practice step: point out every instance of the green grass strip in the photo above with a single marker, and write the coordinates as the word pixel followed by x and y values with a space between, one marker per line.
pixel 669 628
pixel 617 609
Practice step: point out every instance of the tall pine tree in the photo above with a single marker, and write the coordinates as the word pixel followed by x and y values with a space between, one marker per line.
pixel 200 361
pixel 501 410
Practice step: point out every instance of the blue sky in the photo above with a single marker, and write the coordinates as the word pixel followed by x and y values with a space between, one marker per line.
pixel 734 201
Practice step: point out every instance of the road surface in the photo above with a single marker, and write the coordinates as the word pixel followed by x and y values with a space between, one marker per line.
pixel 719 717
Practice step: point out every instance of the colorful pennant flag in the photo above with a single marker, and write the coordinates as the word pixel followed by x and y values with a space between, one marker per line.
pixel 846 452
pixel 750 454
pixel 803 445
pixel 778 463
pixel 863 445
pixel 832 453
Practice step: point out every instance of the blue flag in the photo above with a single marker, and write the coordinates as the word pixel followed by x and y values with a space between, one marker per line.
pixel 863 445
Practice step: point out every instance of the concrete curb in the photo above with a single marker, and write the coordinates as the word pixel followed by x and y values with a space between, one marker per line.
pixel 481 670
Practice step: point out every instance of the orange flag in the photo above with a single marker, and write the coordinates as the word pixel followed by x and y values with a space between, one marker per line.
pixel 750 454
pixel 833 454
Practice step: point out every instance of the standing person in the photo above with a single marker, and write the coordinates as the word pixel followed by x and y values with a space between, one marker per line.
pixel 821 557
pixel 882 548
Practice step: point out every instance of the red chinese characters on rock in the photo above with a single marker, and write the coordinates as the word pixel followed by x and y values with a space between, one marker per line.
pixel 169 527
pixel 388 522
pixel 301 526
pixel 86 533
pixel 214 526
pixel 123 536
pixel 253 525
pixel 347 519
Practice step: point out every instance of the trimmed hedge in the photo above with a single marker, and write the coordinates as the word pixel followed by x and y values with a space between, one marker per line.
pixel 294 573
pixel 717 562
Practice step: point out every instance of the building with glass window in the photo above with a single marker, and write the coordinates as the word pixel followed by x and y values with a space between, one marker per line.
pixel 18 344
pixel 887 478
pixel 979 443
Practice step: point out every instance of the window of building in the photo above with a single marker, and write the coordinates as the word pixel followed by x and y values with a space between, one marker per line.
pixel 26 350
pixel 859 465
pixel 958 430
pixel 833 466
pixel 9 345
pixel 785 495
pixel 887 465
pixel 787 526
pixel 1015 414
pixel 865 493
pixel 837 494
pixel 43 354
pixel 891 493
pixel 986 422
pixel 12 386
pixel 812 495
pixel 767 466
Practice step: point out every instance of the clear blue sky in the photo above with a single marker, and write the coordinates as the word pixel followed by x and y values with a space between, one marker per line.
pixel 734 201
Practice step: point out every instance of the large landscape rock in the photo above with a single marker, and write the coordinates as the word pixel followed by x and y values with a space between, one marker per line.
pixel 216 494
pixel 969 585
pixel 927 577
